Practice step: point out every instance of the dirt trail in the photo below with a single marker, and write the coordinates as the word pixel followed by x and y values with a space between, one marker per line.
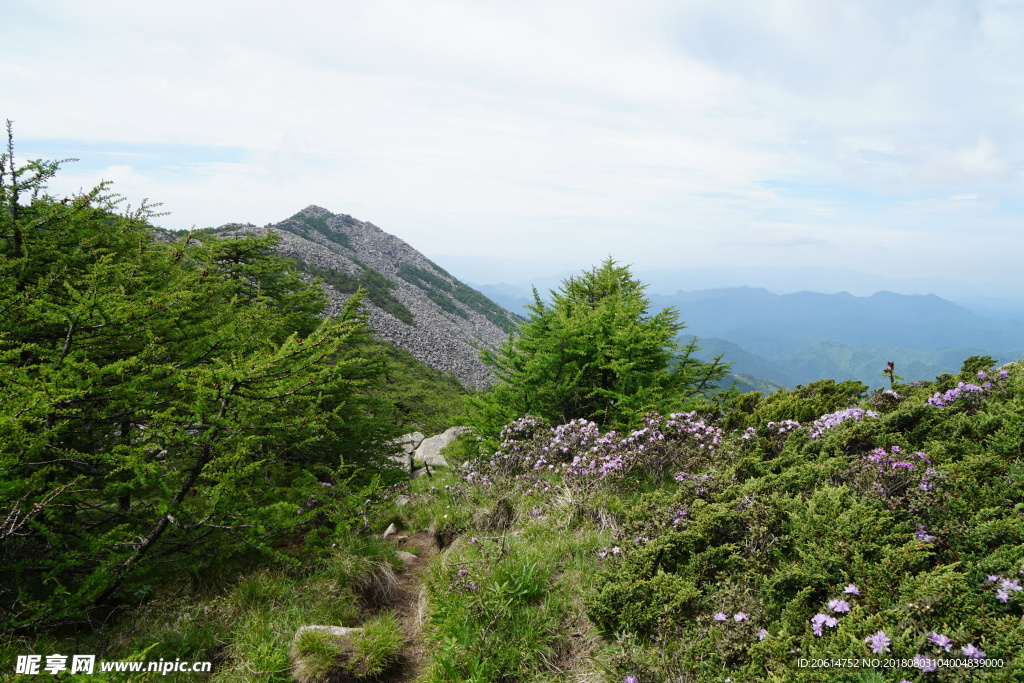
pixel 408 604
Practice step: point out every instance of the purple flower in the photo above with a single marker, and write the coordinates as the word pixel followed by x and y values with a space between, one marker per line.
pixel 879 642
pixel 1008 585
pixel 992 578
pixel 463 572
pixel 840 606
pixel 922 535
pixel 629 679
pixel 616 550
pixel 973 652
pixel 925 664
pixel 819 620
pixel 472 586
pixel 982 375
pixel 851 589
pixel 1002 596
pixel 941 640
pixel 1003 374
pixel 762 634
pixel 740 616
pixel 720 616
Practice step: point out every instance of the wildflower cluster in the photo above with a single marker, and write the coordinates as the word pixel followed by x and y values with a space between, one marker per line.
pixel 462 582
pixel 942 644
pixel 892 475
pixel 826 422
pixel 587 459
pixel 837 606
pixel 739 635
pixel 661 444
pixel 783 427
pixel 697 482
pixel 518 439
pixel 1004 586
pixel 777 433
pixel 738 617
pixel 960 390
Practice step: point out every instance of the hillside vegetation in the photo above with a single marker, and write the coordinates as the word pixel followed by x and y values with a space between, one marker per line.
pixel 194 466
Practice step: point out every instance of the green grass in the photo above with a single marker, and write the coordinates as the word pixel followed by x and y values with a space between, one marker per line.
pixel 245 623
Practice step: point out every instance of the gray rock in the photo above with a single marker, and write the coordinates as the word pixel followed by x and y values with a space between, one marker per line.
pixel 336 631
pixel 390 531
pixel 409 442
pixel 406 558
pixel 402 501
pixel 429 452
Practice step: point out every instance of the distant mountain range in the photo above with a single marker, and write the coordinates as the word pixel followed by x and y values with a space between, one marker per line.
pixel 773 340
pixel 791 339
pixel 411 301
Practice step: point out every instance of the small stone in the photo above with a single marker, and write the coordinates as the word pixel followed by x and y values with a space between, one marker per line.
pixel 336 631
pixel 390 531
pixel 406 558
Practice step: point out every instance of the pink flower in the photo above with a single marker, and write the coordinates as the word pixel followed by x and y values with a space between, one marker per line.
pixel 720 616
pixel 740 616
pixel 851 590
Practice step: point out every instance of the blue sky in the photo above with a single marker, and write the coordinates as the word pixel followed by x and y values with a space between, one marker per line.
pixel 875 136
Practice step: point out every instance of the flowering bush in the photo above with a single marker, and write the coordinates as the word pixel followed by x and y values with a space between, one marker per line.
pixel 586 460
pixel 962 389
pixel 826 422
pixel 899 480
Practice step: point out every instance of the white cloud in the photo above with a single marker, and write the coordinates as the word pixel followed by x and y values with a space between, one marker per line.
pixel 651 130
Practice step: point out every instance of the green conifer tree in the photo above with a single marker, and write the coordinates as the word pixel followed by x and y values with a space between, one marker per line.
pixel 595 353
pixel 162 405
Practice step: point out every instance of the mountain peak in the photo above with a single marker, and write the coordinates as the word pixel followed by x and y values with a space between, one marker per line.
pixel 314 210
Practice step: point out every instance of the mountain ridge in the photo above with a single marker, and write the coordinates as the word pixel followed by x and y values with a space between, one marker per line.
pixel 412 302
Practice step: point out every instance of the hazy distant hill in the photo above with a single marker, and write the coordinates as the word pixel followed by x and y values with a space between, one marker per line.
pixel 412 302
pixel 754 318
pixel 807 360
pixel 797 338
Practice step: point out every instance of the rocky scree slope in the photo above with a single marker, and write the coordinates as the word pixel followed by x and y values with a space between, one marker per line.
pixel 411 301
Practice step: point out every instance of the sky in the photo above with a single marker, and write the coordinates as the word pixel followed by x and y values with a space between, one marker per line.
pixel 528 137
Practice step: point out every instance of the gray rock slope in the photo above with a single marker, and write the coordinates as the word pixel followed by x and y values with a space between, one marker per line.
pixel 412 302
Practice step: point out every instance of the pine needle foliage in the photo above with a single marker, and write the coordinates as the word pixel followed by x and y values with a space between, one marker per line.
pixel 596 353
pixel 162 405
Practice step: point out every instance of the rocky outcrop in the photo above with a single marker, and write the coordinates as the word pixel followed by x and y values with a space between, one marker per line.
pixel 413 303
pixel 429 451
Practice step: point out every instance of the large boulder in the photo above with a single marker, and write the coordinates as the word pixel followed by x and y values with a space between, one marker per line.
pixel 429 451
pixel 408 443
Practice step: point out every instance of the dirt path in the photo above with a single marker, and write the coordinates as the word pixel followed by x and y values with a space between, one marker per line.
pixel 410 602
